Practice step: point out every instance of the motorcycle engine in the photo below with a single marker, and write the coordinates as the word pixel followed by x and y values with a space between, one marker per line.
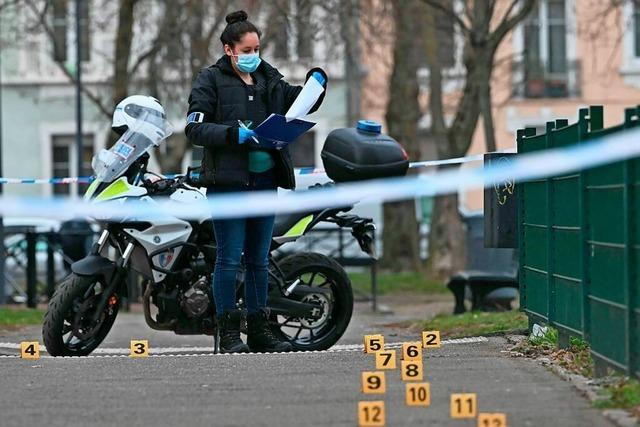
pixel 195 300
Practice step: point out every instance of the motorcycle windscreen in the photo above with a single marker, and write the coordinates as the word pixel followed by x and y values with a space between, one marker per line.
pixel 147 132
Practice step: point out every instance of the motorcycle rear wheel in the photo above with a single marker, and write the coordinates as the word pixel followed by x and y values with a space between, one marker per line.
pixel 313 270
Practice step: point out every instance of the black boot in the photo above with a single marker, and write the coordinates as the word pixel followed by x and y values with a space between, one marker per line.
pixel 229 330
pixel 260 337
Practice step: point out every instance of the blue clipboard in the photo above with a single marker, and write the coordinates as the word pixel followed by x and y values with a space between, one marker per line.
pixel 276 132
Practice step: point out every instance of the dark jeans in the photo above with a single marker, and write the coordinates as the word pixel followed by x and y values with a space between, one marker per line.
pixel 235 236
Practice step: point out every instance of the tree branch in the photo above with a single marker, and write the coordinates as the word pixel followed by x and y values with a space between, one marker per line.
pixel 449 11
pixel 222 11
pixel 49 31
pixel 8 3
pixel 508 23
pixel 155 47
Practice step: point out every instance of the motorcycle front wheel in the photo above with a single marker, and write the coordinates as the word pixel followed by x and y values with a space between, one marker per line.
pixel 316 271
pixel 68 329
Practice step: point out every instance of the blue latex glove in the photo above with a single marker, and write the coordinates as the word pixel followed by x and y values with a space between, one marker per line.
pixel 319 77
pixel 244 135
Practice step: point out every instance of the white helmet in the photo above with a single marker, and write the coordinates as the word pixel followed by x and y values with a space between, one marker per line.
pixel 129 109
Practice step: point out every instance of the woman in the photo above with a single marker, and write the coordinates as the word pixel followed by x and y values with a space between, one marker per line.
pixel 240 86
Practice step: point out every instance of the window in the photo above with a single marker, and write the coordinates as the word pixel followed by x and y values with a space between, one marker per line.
pixel 278 29
pixel 64 161
pixel 59 8
pixel 557 37
pixel 290 29
pixel 630 32
pixel 446 39
pixel 85 52
pixel 303 150
pixel 636 29
pixel 60 24
pixel 445 45
pixel 546 69
pixel 304 29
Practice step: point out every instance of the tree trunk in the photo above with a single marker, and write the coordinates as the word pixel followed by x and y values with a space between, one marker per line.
pixel 400 234
pixel 446 233
pixel 124 36
pixel 447 236
pixel 487 115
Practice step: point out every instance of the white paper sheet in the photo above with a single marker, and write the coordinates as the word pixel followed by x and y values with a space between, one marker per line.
pixel 306 99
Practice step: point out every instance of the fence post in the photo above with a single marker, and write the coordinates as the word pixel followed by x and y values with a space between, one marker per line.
pixel 583 124
pixel 521 134
pixel 32 297
pixel 551 302
pixel 520 219
pixel 630 115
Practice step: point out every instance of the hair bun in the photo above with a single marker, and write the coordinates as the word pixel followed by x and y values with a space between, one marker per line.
pixel 237 16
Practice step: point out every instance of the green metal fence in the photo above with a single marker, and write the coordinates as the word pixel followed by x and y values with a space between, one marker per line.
pixel 580 244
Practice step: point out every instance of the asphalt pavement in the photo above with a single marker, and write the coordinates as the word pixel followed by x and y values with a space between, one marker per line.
pixel 183 384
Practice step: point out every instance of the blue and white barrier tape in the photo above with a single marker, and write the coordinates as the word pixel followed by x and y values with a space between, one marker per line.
pixel 618 147
pixel 69 180
pixel 299 171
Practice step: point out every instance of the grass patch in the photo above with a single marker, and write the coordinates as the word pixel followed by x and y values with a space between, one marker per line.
pixel 389 282
pixel 475 323
pixel 16 318
pixel 548 339
pixel 624 393
pixel 576 358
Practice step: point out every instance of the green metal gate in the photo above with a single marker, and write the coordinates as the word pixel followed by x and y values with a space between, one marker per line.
pixel 580 244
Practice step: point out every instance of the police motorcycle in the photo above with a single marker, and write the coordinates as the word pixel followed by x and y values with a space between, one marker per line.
pixel 310 298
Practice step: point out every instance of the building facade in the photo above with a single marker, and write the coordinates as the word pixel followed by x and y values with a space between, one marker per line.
pixel 567 54
pixel 38 97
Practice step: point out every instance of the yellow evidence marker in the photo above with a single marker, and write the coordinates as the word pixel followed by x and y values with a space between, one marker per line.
pixel 464 405
pixel 492 420
pixel 411 370
pixel 373 383
pixel 431 339
pixel 139 348
pixel 412 351
pixel 30 350
pixel 386 359
pixel 418 394
pixel 371 413
pixel 373 343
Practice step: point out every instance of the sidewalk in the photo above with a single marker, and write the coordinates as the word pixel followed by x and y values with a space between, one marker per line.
pixel 283 390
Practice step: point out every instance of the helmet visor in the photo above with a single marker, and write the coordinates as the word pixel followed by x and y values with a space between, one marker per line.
pixel 148 131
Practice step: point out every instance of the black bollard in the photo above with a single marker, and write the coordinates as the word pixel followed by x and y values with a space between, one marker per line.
pixel 51 278
pixel 32 295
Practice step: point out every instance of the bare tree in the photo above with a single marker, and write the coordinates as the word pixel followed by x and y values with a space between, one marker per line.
pixel 483 30
pixel 159 46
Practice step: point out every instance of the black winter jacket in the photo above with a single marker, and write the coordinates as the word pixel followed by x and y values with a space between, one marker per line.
pixel 221 96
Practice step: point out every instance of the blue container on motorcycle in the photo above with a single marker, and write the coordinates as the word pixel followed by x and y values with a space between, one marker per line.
pixel 363 152
pixel 369 126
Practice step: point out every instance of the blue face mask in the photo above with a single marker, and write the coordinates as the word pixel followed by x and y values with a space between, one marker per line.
pixel 248 63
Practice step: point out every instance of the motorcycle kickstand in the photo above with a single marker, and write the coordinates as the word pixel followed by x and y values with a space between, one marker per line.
pixel 216 342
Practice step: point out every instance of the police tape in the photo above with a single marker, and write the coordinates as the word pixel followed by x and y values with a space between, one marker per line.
pixel 542 164
pixel 423 163
pixel 57 181
pixel 298 171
